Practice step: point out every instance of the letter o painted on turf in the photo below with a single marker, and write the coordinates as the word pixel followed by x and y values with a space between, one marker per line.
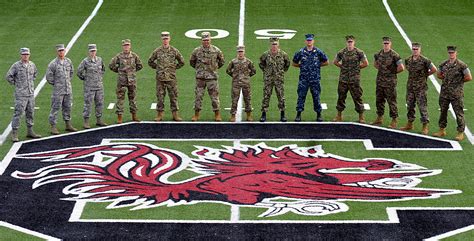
pixel 193 33
pixel 280 33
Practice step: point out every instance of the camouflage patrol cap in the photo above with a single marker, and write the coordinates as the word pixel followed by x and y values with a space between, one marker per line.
pixel 165 35
pixel 24 51
pixel 205 36
pixel 350 37
pixel 416 45
pixel 387 39
pixel 274 40
pixel 126 42
pixel 60 47
pixel 452 48
pixel 309 36
pixel 241 48
pixel 92 47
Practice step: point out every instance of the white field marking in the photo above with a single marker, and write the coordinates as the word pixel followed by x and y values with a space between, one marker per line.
pixel 451 233
pixel 40 86
pixel 12 108
pixel 437 86
pixel 27 231
pixel 228 108
pixel 324 106
pixel 153 106
pixel 366 106
pixel 111 106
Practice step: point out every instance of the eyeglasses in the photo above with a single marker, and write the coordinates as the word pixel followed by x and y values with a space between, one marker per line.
pixel 386 43
pixel 415 49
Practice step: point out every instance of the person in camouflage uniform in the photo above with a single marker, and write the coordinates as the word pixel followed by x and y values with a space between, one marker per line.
pixel 350 60
pixel 22 75
pixel 206 59
pixel 59 74
pixel 454 73
pixel 241 69
pixel 389 64
pixel 91 70
pixel 126 64
pixel 310 60
pixel 419 68
pixel 274 63
pixel 166 59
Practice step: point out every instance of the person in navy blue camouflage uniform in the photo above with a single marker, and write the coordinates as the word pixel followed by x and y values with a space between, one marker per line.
pixel 310 60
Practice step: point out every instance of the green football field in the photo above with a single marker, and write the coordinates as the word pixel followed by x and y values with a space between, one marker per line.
pixel 40 25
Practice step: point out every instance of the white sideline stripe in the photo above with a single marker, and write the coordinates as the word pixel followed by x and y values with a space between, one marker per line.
pixel 12 108
pixel 468 133
pixel 451 233
pixel 27 231
pixel 110 106
pixel 40 86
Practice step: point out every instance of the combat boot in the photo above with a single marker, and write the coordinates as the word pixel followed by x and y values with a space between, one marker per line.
pixel 232 118
pixel 159 116
pixel 195 116
pixel 319 117
pixel 361 118
pixel 282 116
pixel 264 117
pixel 134 117
pixel 86 123
pixel 408 126
pixel 31 134
pixel 298 116
pixel 15 136
pixel 69 127
pixel 176 116
pixel 378 121
pixel 249 116
pixel 119 119
pixel 217 116
pixel 440 133
pixel 425 130
pixel 54 130
pixel 99 122
pixel 338 117
pixel 459 136
pixel 393 123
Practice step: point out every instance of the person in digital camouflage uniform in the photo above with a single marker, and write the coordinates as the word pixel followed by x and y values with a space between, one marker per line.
pixel 454 73
pixel 241 69
pixel 350 60
pixel 22 75
pixel 166 59
pixel 274 63
pixel 206 60
pixel 91 70
pixel 126 64
pixel 389 64
pixel 59 74
pixel 419 68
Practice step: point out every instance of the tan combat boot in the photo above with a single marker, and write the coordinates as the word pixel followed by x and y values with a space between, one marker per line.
pixel 176 116
pixel 217 116
pixel 159 116
pixel 249 116
pixel 86 123
pixel 408 126
pixel 119 119
pixel 99 122
pixel 425 129
pixel 69 127
pixel 459 136
pixel 232 118
pixel 393 123
pixel 361 118
pixel 338 117
pixel 134 117
pixel 378 121
pixel 440 133
pixel 54 130
pixel 15 136
pixel 31 134
pixel 195 116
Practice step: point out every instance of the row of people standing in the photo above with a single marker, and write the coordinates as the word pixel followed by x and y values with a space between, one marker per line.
pixel 207 58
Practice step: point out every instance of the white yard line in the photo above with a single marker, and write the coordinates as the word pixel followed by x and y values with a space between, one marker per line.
pixel 437 86
pixel 40 86
pixel 28 231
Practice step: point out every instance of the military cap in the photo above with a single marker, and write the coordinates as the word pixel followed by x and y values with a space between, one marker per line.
pixel 205 35
pixel 240 48
pixel 350 37
pixel 415 45
pixel 24 51
pixel 309 36
pixel 92 47
pixel 274 40
pixel 60 47
pixel 387 39
pixel 165 35
pixel 126 42
pixel 451 48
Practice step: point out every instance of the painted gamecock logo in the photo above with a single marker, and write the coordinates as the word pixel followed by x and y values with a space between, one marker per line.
pixel 309 181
